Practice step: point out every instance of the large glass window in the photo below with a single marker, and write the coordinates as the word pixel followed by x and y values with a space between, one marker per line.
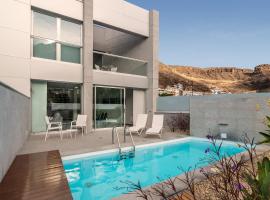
pixel 109 107
pixel 63 102
pixel 45 26
pixel 56 38
pixel 44 48
pixel 70 32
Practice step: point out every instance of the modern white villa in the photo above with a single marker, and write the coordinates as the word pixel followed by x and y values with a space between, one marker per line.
pixel 96 57
pixel 92 67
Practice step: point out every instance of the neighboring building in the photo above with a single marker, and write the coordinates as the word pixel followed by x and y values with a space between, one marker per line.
pixel 218 91
pixel 192 93
pixel 178 90
pixel 96 57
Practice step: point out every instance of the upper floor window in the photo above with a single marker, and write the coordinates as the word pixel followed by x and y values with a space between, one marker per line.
pixel 44 25
pixel 71 32
pixel 56 38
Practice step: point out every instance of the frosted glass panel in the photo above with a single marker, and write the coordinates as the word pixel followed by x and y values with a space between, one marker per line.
pixel 70 32
pixel 39 106
pixel 45 26
pixel 70 54
pixel 44 49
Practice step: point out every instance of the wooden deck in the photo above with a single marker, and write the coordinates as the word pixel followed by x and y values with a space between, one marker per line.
pixel 36 176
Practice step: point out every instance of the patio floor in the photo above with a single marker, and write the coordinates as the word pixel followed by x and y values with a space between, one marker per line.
pixel 95 141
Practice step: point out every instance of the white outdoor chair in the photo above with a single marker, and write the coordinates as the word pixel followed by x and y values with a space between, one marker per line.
pixel 52 126
pixel 157 126
pixel 140 124
pixel 80 123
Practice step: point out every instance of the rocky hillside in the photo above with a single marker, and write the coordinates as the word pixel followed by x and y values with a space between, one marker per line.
pixel 228 79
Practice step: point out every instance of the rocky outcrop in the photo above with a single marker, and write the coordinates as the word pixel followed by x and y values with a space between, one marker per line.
pixel 262 69
pixel 229 79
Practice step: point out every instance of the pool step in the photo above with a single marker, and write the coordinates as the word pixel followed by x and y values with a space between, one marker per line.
pixel 126 154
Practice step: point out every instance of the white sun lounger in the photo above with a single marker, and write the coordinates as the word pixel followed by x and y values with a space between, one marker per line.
pixel 157 126
pixel 140 124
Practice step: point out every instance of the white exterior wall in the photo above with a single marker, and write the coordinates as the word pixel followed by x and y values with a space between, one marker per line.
pixel 15 44
pixel 138 108
pixel 118 79
pixel 42 69
pixel 18 68
pixel 123 15
pixel 116 13
pixel 69 8
pixel 51 70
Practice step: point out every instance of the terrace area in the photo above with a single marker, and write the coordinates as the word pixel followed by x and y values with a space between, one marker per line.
pixel 95 141
pixel 102 140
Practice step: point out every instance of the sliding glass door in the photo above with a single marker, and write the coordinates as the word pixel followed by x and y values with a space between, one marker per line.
pixel 61 102
pixel 109 108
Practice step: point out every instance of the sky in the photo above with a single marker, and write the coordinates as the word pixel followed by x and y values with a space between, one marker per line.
pixel 208 33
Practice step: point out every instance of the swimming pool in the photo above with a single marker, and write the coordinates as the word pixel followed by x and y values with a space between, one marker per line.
pixel 100 175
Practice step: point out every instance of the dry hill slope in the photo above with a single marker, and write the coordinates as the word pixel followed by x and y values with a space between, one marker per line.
pixel 229 79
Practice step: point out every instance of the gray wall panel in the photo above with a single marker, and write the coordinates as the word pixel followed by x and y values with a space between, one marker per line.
pixel 14 125
pixel 244 113
pixel 173 104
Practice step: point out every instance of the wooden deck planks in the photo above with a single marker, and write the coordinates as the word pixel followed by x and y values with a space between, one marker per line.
pixel 36 176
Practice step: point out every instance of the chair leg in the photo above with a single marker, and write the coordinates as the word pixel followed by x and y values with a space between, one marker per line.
pixel 61 134
pixel 70 134
pixel 160 134
pixel 46 135
pixel 140 132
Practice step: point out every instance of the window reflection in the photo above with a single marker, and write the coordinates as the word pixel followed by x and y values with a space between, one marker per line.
pixel 44 49
pixel 56 38
pixel 63 102
pixel 70 54
pixel 109 107
pixel 44 25
pixel 70 32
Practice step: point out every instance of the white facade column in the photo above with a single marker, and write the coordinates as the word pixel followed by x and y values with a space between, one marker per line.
pixel 87 100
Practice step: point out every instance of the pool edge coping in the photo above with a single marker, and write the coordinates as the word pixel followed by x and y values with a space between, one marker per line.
pixel 140 146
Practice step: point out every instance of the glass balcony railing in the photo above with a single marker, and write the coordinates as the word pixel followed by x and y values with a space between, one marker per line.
pixel 119 64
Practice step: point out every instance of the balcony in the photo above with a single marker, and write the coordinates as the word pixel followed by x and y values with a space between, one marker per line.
pixel 119 64
pixel 119 71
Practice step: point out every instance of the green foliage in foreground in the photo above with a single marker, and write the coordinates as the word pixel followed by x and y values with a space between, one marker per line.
pixel 165 94
pixel 266 134
pixel 261 184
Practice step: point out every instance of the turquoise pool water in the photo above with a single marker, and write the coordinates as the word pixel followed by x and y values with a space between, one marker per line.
pixel 101 177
